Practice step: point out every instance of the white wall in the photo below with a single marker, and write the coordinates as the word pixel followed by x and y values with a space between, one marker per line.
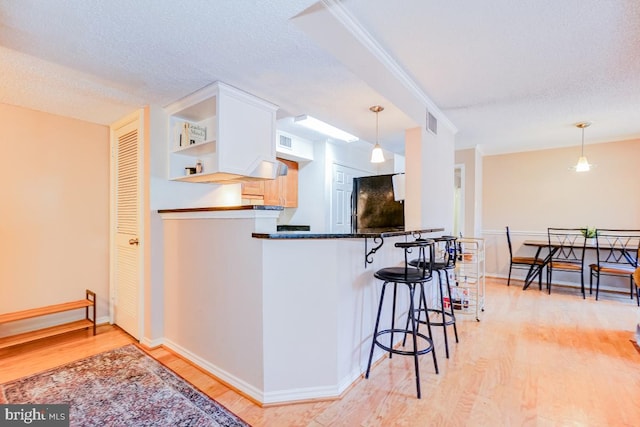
pixel 429 179
pixel 165 194
pixel 285 329
pixel 315 181
pixel 334 334
pixel 213 291
pixel 156 132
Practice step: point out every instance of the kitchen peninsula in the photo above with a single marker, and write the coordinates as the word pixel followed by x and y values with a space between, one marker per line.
pixel 281 317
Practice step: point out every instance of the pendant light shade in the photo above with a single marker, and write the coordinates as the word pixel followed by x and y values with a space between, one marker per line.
pixel 583 164
pixel 377 156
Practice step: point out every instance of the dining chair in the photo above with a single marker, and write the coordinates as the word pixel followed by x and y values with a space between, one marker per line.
pixel 524 263
pixel 617 255
pixel 566 253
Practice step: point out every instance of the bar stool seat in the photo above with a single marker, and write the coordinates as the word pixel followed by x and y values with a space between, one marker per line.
pixel 414 278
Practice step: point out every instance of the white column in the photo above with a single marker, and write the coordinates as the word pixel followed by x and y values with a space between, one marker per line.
pixel 429 181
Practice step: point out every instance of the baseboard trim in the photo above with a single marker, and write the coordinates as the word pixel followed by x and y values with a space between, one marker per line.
pixel 150 344
pixel 266 399
pixel 221 375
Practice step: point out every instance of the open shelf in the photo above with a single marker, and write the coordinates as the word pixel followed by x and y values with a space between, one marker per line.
pixel 45 333
pixel 201 149
pixel 89 322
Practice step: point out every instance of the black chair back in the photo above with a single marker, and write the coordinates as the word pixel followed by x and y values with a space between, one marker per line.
pixel 617 246
pixel 447 251
pixel 509 243
pixel 569 244
pixel 423 265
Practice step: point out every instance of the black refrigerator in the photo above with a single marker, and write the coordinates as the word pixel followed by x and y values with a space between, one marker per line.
pixel 374 208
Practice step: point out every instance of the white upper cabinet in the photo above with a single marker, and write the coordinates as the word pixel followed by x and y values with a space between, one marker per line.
pixel 229 136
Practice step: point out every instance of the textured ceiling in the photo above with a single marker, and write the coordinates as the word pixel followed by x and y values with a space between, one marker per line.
pixel 509 76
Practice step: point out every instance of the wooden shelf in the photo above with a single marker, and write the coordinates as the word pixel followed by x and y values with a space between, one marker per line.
pixel 45 332
pixel 88 322
pixel 43 311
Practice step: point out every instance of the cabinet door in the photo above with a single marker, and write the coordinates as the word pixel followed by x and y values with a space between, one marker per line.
pixel 290 184
pixel 283 191
pixel 253 190
pixel 272 192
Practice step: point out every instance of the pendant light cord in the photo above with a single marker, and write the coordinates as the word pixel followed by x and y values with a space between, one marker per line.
pixel 377 126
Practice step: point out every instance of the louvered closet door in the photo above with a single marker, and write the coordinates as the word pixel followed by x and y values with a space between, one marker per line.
pixel 127 272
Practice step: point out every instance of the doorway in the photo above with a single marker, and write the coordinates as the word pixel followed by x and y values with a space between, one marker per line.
pixel 341 190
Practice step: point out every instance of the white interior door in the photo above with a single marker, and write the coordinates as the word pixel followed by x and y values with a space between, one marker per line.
pixel 341 189
pixel 127 224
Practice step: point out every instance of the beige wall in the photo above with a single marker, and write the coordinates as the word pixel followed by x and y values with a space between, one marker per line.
pixel 535 190
pixel 54 211
pixel 531 191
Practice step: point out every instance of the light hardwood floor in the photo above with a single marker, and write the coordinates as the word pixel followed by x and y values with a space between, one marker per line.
pixel 534 359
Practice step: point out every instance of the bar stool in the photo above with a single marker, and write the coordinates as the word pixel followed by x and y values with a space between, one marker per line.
pixel 413 277
pixel 446 260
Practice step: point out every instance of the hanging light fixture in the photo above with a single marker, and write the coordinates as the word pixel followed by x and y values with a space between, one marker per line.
pixel 376 155
pixel 582 165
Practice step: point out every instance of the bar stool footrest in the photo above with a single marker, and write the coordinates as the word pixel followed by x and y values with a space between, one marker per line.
pixel 448 318
pixel 420 351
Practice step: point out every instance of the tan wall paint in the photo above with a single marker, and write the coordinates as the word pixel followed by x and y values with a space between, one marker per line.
pixel 54 211
pixel 531 191
pixel 535 190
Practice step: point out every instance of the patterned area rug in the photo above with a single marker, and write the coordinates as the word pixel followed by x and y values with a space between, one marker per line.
pixel 122 387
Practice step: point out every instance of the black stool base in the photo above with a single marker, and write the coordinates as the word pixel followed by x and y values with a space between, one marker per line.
pixel 411 330
pixel 395 350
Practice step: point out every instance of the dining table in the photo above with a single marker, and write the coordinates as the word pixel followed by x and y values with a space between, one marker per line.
pixel 536 268
pixel 553 247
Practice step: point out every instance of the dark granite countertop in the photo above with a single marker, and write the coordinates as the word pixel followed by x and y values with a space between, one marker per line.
pixel 310 235
pixel 225 208
pixel 290 227
pixel 283 235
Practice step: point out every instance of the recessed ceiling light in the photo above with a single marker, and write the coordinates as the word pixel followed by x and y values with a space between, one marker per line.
pixel 324 128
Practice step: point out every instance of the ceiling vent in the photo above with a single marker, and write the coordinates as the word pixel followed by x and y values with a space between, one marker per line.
pixel 432 123
pixel 285 142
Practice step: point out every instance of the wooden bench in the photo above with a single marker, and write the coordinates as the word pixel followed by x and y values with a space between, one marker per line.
pixel 89 321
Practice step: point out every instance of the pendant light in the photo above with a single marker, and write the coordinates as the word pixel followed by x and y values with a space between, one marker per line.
pixel 582 165
pixel 376 155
